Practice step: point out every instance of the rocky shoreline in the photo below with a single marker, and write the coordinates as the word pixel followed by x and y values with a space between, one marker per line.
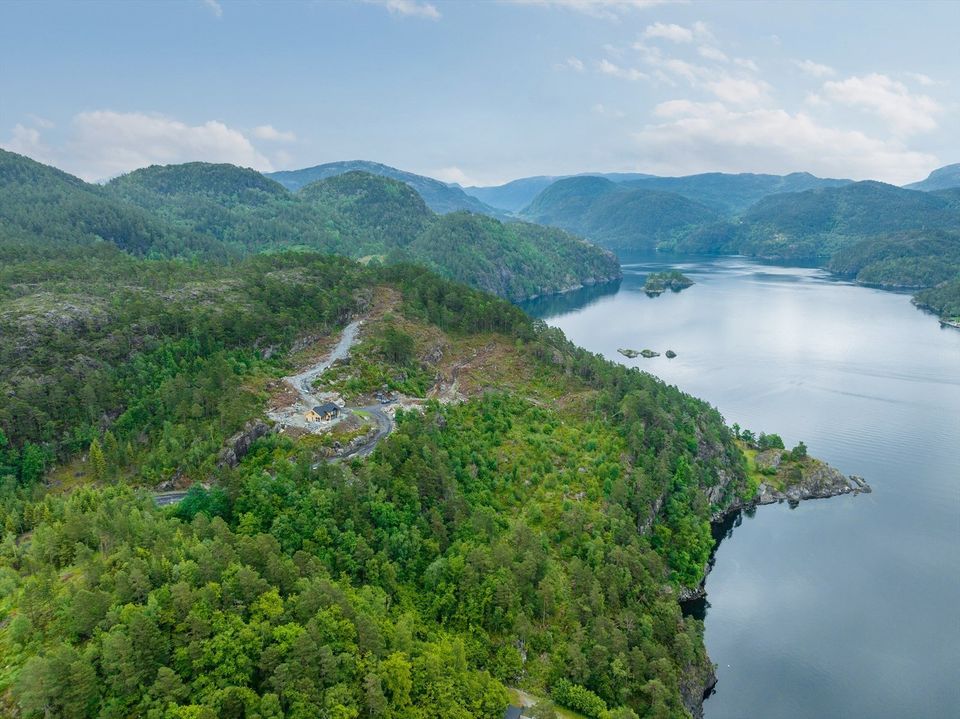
pixel 816 480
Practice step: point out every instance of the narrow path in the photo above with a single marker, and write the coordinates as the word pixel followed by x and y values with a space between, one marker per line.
pixel 302 384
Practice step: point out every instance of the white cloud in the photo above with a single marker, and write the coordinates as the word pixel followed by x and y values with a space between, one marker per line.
pixel 921 79
pixel 608 68
pixel 571 63
pixel 746 64
pixel 730 86
pixel 107 143
pixel 678 33
pixel 607 9
pixel 737 90
pixel 891 100
pixel 27 141
pixel 269 132
pixel 815 69
pixel 409 8
pixel 712 53
pixel 698 137
pixel 671 32
pixel 454 175
pixel 214 7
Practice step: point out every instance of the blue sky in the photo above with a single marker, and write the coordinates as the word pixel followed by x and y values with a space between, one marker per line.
pixel 483 92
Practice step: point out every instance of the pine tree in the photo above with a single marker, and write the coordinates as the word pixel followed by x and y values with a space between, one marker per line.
pixel 98 463
pixel 111 451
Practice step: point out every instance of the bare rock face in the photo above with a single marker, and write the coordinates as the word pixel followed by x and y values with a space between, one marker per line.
pixel 434 355
pixel 238 445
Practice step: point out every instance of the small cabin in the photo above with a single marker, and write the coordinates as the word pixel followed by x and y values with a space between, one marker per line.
pixel 323 412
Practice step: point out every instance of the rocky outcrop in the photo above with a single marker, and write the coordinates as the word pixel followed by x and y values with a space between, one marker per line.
pixel 236 448
pixel 696 684
pixel 794 482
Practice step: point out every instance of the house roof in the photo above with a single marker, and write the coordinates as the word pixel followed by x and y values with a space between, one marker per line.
pixel 326 407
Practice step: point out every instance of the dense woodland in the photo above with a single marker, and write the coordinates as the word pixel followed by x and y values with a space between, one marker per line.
pixel 223 213
pixel 509 540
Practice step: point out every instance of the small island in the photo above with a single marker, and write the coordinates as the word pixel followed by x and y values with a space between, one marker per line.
pixel 634 353
pixel 659 282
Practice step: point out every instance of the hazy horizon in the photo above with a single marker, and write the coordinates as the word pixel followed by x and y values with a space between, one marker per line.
pixel 481 93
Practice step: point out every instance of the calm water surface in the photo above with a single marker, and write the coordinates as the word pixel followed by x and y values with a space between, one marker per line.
pixel 846 607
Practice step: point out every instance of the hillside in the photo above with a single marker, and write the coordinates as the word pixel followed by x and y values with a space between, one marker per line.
pixel 40 204
pixel 908 260
pixel 357 214
pixel 618 216
pixel 520 517
pixel 943 178
pixel 516 260
pixel 439 196
pixel 732 194
pixel 818 223
pixel 515 195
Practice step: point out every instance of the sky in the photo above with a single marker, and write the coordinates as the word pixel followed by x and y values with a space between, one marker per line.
pixel 485 92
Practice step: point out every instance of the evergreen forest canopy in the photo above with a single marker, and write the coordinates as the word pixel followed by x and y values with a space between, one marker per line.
pixel 222 213
pixel 536 534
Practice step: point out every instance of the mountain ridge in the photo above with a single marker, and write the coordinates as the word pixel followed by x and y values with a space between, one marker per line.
pixel 439 196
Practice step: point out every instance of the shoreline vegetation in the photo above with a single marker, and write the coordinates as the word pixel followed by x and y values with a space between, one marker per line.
pixel 659 282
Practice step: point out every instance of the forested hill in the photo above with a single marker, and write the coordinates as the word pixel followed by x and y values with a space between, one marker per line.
pixel 536 533
pixel 223 212
pixel 731 194
pixel 439 196
pixel 944 178
pixel 358 215
pixel 618 216
pixel 42 205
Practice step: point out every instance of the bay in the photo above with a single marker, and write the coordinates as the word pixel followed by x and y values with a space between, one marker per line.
pixel 846 607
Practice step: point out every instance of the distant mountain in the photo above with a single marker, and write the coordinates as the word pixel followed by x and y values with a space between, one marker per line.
pixel 726 193
pixel 358 214
pixel 942 179
pixel 439 196
pixel 618 216
pixel 514 196
pixel 40 204
pixel 732 194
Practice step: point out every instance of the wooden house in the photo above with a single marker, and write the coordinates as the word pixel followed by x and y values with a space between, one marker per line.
pixel 322 412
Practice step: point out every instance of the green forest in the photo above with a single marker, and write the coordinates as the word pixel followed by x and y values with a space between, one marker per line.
pixel 223 213
pixel 535 535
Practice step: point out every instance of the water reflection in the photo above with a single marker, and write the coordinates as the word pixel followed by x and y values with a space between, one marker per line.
pixel 840 607
pixel 550 305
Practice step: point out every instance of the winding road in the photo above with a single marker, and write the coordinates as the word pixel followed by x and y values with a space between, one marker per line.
pixel 302 384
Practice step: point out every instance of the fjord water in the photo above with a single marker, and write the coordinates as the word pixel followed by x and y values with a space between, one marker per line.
pixel 844 607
